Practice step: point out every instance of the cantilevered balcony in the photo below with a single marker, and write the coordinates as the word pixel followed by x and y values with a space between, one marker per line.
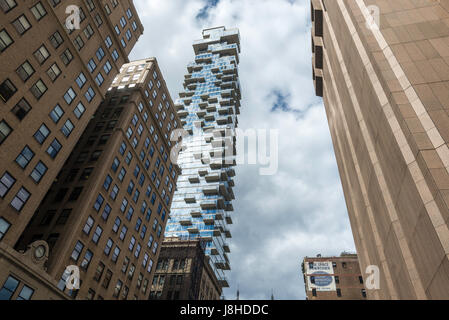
pixel 211 108
pixel 228 234
pixel 214 251
pixel 208 191
pixel 179 106
pixel 194 179
pixel 213 177
pixel 209 221
pixel 209 117
pixel 195 213
pixel 189 199
pixel 185 222
pixel 226 248
pixel 193 230
pixel 208 204
pixel 183 113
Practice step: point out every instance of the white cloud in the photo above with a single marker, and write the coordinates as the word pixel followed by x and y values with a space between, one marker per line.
pixel 299 211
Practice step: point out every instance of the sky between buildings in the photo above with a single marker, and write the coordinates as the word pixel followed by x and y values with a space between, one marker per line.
pixel 299 211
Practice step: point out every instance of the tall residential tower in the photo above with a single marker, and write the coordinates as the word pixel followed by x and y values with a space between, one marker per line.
pixel 208 107
pixel 382 68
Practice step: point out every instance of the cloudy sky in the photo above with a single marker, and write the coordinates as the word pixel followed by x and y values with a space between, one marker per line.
pixel 299 211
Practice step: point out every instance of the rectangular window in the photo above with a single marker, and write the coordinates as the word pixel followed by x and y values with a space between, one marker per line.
pixel 7 90
pixel 54 148
pixel 77 251
pixel 21 109
pixel 20 199
pixel 38 89
pixel 9 288
pixel 4 226
pixel 25 71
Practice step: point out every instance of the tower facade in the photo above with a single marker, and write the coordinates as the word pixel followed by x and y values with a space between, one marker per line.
pixel 208 109
pixel 382 69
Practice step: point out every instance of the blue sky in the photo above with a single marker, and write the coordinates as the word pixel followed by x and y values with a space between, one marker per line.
pixel 299 211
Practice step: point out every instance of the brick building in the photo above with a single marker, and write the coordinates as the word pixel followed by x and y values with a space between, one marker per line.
pixel 333 278
pixel 183 272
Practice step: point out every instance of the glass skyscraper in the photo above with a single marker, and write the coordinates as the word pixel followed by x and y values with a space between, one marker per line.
pixel 202 204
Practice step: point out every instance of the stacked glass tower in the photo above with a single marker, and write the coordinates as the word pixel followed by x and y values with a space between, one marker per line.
pixel 208 109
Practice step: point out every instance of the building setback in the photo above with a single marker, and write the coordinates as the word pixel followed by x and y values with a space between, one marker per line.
pixel 51 82
pixel 333 278
pixel 384 87
pixel 108 208
pixel 208 107
pixel 183 272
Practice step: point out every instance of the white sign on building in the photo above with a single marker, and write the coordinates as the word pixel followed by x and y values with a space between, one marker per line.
pixel 319 276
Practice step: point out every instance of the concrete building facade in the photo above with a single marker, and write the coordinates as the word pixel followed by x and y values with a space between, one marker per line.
pixel 107 210
pixel 382 68
pixel 333 278
pixel 183 272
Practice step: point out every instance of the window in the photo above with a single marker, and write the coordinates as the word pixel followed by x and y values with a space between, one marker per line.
pixel 41 134
pixel 116 225
pixel 66 57
pixel 38 11
pixel 314 292
pixel 21 24
pixel 337 279
pixel 364 293
pixel 77 251
pixel 38 172
pixel 81 80
pixel 54 148
pixel 53 72
pixel 115 254
pixel 24 158
pixel 56 40
pixel 7 90
pixel 79 110
pixel 5 131
pixel 114 192
pixel 99 271
pixel 75 194
pixel 98 202
pixel 8 289
pixel 57 113
pixel 38 89
pixel 7 5
pixel 107 279
pixel 338 292
pixel 62 219
pixel 20 199
pixel 87 259
pixel 67 128
pixel 123 233
pixel 25 71
pixel 4 227
pixel 109 244
pixel 106 212
pixel 41 54
pixel 361 279
pixel 69 96
pixel 88 226
pixel 26 293
pixel 90 94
